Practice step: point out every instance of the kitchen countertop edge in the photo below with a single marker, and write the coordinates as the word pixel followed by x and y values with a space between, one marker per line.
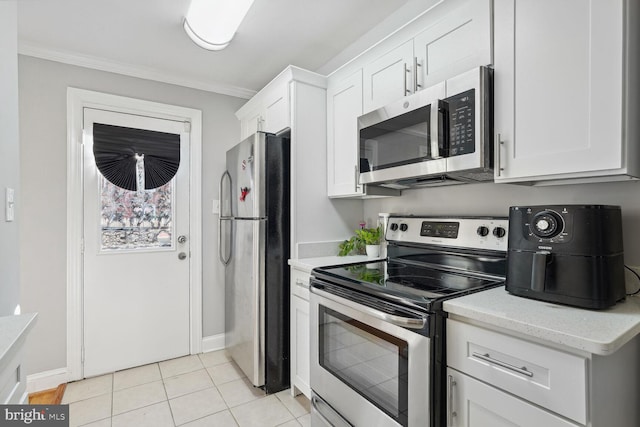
pixel 600 332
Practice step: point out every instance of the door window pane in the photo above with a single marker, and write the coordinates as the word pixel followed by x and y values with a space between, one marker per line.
pixel 132 220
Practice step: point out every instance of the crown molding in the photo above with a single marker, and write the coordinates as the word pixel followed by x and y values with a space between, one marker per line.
pixel 87 61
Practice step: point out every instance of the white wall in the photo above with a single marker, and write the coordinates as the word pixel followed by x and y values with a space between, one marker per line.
pixel 9 157
pixel 495 199
pixel 43 148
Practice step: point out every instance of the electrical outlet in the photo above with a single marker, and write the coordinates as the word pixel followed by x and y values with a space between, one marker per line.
pixel 216 207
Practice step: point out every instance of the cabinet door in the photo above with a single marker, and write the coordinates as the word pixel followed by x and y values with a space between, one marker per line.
pixel 558 87
pixel 474 403
pixel 458 40
pixel 300 354
pixel 344 105
pixel 276 110
pixel 251 124
pixel 388 78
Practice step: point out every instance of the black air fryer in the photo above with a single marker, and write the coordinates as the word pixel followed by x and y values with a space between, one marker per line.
pixel 567 254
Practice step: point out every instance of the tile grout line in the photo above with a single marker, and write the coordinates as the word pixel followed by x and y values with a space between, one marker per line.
pixel 164 388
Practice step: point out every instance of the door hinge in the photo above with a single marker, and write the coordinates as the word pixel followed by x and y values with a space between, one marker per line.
pixel 82 245
pixel 187 126
pixel 82 355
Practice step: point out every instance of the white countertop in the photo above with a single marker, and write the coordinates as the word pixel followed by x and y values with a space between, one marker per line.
pixel 595 331
pixel 308 264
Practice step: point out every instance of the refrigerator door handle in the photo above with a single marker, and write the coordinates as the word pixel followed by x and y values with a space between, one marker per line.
pixel 223 213
pixel 223 260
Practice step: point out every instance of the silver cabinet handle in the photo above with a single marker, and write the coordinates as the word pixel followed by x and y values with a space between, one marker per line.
pixel 302 283
pixel 500 144
pixel 406 71
pixel 451 413
pixel 402 321
pixel 487 358
pixel 416 65
pixel 357 179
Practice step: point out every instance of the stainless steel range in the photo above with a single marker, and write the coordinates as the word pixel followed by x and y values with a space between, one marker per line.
pixel 377 329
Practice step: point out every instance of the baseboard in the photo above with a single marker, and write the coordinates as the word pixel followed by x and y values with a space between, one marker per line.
pixel 53 378
pixel 47 380
pixel 213 343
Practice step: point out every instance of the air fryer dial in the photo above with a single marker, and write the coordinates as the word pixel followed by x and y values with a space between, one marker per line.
pixel 547 224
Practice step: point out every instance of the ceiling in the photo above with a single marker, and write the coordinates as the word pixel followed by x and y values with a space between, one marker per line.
pixel 144 38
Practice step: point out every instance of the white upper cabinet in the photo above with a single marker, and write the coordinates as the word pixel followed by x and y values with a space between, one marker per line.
pixel 452 37
pixel 458 40
pixel 268 111
pixel 388 78
pixel 562 108
pixel 344 105
pixel 251 122
pixel 276 109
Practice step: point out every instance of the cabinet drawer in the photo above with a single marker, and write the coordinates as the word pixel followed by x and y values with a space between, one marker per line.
pixel 548 377
pixel 300 283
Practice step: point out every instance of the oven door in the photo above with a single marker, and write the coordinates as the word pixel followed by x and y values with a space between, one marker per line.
pixel 368 365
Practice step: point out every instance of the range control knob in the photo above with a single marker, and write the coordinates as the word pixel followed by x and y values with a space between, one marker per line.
pixel 482 231
pixel 547 224
pixel 499 232
pixel 393 226
pixel 403 227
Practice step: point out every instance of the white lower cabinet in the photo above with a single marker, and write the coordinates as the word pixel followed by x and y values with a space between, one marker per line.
pixel 473 403
pixel 299 345
pixel 497 379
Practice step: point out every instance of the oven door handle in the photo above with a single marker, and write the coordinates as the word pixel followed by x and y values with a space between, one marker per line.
pixel 401 321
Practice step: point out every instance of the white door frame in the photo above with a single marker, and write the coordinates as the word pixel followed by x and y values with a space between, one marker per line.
pixel 77 100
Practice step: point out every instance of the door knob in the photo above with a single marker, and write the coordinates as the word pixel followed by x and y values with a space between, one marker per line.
pixel 182 239
pixel 182 256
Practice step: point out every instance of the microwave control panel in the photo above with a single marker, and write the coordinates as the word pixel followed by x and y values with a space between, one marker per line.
pixel 460 115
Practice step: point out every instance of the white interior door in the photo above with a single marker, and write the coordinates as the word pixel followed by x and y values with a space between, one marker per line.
pixel 135 260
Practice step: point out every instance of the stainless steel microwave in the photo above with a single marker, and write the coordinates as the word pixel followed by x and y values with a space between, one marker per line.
pixel 440 135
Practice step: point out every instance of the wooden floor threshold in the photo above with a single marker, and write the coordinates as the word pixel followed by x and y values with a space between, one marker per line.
pixel 48 397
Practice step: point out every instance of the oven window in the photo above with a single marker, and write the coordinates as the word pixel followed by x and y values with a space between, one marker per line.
pixel 371 362
pixel 398 141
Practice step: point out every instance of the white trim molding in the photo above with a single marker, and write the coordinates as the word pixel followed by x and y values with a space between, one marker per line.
pixel 77 100
pixel 47 380
pixel 95 63
pixel 213 343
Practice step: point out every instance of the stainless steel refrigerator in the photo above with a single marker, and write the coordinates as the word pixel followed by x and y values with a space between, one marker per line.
pixel 254 247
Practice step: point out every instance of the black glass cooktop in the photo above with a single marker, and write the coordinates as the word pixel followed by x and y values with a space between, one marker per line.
pixel 408 281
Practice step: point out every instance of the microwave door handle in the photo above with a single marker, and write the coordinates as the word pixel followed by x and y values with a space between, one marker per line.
pixel 434 120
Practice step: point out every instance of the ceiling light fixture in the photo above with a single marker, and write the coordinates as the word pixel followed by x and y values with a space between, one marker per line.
pixel 211 24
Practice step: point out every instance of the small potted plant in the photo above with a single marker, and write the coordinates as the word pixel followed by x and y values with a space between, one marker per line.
pixel 365 240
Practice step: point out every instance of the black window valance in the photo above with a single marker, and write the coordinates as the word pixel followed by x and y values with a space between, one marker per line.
pixel 117 150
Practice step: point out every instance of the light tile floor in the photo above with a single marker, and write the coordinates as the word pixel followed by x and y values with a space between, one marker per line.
pixel 205 390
